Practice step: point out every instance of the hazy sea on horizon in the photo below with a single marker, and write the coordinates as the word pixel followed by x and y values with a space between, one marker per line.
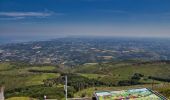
pixel 6 40
pixel 20 40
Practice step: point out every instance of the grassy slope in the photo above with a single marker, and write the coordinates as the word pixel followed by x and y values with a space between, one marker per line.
pixel 122 71
pixel 14 77
pixel 125 71
pixel 4 66
pixel 92 76
pixel 21 77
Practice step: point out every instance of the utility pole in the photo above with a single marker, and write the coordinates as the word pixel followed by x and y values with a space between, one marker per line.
pixel 152 83
pixel 65 86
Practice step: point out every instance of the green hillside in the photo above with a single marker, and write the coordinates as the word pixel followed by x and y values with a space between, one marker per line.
pixel 126 70
pixel 35 81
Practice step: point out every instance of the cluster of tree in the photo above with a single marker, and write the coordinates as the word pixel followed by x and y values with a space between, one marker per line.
pixel 76 81
pixel 159 79
pixel 153 62
pixel 79 82
pixel 137 76
pixel 133 81
pixel 43 71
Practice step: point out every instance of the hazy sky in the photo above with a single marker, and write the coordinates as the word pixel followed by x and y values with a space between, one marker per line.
pixel 33 19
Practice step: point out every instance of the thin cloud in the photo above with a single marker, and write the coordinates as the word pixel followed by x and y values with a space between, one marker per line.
pixel 22 15
pixel 11 18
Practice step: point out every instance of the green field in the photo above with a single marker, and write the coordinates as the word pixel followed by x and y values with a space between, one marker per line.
pixel 13 77
pixel 19 81
pixel 21 77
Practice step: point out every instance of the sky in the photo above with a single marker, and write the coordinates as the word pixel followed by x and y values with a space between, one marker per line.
pixel 22 20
